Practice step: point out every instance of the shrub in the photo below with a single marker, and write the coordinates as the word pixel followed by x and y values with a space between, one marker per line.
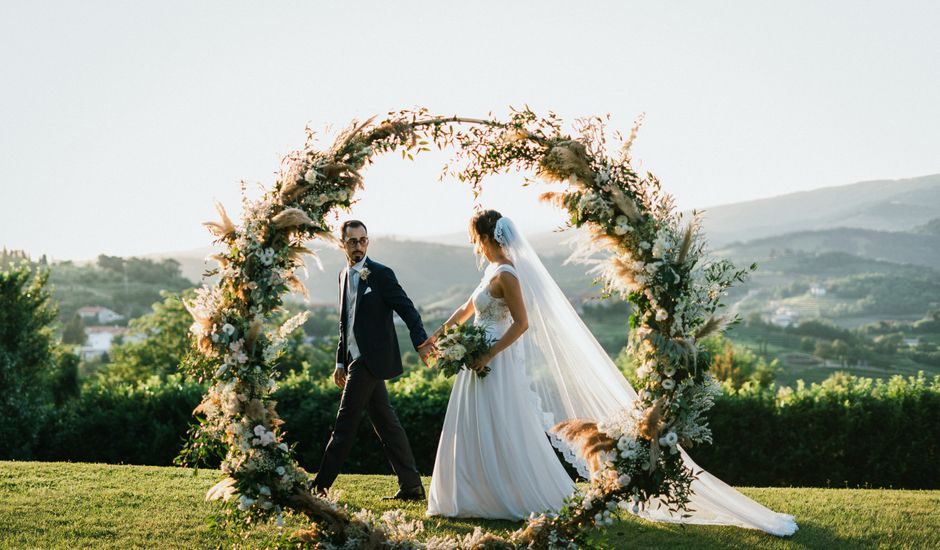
pixel 845 431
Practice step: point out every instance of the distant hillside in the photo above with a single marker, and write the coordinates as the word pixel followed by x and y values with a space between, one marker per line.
pixel 434 275
pixel 883 205
pixel 888 229
pixel 921 248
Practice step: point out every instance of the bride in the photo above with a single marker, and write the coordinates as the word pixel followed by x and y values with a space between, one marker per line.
pixel 495 456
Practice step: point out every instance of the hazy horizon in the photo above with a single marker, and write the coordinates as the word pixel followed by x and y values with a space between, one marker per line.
pixel 122 123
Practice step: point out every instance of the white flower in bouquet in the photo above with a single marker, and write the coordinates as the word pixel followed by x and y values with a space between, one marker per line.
pixel 669 371
pixel 623 480
pixel 661 314
pixel 662 244
pixel 266 256
pixel 622 226
pixel 228 329
pixel 669 384
pixel 310 176
pixel 264 437
pixel 593 202
pixel 458 351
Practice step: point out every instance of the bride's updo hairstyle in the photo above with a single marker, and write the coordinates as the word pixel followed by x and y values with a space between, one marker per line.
pixel 483 224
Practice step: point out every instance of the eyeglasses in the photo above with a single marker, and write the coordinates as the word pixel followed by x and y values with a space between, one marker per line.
pixel 354 242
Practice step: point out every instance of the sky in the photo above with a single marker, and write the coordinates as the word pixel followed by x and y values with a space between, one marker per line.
pixel 122 122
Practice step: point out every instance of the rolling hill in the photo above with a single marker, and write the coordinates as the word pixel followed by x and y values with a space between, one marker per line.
pixel 883 205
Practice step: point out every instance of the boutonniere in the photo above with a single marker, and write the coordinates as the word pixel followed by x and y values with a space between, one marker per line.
pixel 364 274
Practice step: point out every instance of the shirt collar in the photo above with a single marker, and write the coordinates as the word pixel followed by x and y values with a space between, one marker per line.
pixel 359 265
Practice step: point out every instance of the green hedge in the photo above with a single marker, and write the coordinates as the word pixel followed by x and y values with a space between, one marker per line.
pixel 845 431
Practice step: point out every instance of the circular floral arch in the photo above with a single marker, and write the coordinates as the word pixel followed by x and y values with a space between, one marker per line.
pixel 651 257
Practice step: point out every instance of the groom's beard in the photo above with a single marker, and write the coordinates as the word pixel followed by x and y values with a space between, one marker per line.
pixel 356 257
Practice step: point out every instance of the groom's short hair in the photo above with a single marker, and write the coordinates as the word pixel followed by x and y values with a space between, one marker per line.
pixel 351 223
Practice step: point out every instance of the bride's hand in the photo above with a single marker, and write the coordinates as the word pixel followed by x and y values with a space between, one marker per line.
pixel 480 364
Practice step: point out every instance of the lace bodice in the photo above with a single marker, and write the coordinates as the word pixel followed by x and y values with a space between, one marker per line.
pixel 492 313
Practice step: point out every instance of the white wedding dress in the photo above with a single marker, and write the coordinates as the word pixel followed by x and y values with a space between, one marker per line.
pixel 494 459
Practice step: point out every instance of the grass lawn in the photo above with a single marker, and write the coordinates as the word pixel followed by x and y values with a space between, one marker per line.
pixel 60 505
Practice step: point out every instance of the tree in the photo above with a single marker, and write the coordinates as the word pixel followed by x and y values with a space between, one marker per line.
pixel 73 332
pixel 735 366
pixel 156 345
pixel 26 357
pixel 159 342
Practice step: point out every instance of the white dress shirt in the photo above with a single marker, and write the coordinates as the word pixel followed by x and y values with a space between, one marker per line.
pixel 352 292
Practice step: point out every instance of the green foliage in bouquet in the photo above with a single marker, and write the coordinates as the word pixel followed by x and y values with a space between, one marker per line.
pixel 461 346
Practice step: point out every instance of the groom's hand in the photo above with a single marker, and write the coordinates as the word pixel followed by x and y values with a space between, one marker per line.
pixel 339 377
pixel 426 350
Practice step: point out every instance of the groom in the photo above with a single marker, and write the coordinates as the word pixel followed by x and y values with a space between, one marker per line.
pixel 366 357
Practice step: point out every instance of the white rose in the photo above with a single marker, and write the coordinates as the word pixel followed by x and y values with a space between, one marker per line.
pixel 310 176
pixel 661 314
pixel 669 384
pixel 228 329
pixel 671 438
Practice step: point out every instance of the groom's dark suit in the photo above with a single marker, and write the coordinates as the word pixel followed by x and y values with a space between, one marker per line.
pixel 377 296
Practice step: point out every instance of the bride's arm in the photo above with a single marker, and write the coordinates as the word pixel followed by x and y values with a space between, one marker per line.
pixel 508 286
pixel 457 318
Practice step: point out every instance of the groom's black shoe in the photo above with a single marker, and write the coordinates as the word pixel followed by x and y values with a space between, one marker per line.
pixel 414 493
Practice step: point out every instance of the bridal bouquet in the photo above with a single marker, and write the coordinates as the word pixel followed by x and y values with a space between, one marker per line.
pixel 460 346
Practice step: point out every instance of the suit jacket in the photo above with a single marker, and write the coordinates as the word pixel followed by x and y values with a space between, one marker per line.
pixel 373 325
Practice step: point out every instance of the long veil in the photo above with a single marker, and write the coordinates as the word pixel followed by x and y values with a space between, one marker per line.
pixel 573 377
